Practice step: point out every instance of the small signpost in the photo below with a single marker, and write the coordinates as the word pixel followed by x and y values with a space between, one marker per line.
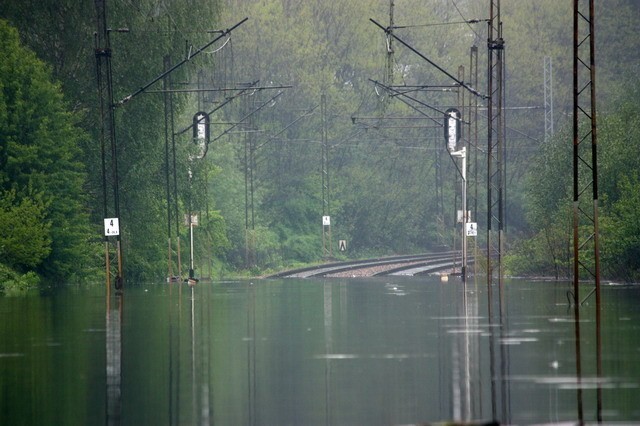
pixel 342 245
pixel 190 220
pixel 111 227
pixel 472 229
pixel 327 249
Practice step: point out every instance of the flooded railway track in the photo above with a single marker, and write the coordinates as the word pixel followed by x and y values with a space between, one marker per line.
pixel 391 265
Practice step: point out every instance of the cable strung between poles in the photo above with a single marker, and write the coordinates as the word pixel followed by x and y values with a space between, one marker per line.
pixel 461 83
pixel 179 64
pixel 400 94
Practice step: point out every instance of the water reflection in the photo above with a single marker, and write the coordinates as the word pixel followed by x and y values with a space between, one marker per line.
pixel 459 360
pixel 200 351
pixel 582 383
pixel 113 346
pixel 251 354
pixel 333 352
pixel 328 347
pixel 465 353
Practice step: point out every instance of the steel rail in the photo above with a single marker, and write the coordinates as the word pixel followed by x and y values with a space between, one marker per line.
pixel 337 267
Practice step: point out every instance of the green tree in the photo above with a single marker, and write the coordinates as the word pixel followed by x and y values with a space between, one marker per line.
pixel 25 237
pixel 544 246
pixel 621 231
pixel 40 168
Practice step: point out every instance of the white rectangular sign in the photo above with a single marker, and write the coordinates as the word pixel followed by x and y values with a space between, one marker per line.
pixel 111 227
pixel 194 220
pixel 326 220
pixel 472 229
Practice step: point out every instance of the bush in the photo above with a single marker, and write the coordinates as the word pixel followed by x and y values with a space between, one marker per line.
pixel 13 283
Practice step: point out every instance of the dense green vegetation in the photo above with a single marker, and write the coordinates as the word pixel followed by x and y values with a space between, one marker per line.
pixel 391 187
pixel 43 207
pixel 544 248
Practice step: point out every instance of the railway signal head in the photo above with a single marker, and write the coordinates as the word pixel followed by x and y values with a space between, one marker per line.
pixel 452 128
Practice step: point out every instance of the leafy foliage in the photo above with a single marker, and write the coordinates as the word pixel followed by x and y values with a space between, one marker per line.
pixel 41 175
pixel 545 249
pixel 13 283
pixel 25 237
pixel 621 250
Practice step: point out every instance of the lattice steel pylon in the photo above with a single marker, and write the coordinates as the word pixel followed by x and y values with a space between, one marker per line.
pixel 249 186
pixel 495 150
pixel 548 98
pixel 585 160
pixel 586 251
pixel 327 243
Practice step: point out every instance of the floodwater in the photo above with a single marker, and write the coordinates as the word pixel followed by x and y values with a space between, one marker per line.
pixel 379 351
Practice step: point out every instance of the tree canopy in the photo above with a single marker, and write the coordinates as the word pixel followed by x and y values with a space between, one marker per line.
pixel 42 178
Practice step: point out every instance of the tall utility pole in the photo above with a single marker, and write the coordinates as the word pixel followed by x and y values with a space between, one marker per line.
pixel 548 98
pixel 585 160
pixel 390 58
pixel 439 195
pixel 472 150
pixel 586 250
pixel 472 135
pixel 327 244
pixel 495 151
pixel 249 172
pixel 165 82
pixel 109 159
pixel 462 218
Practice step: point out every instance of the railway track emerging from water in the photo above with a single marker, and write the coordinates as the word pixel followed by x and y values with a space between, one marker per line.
pixel 390 265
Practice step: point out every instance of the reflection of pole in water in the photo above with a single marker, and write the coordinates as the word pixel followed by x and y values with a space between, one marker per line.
pixel 328 346
pixel 492 360
pixel 471 352
pixel 200 362
pixel 205 417
pixel 114 359
pixel 579 395
pixel 193 355
pixel 598 358
pixel 251 354
pixel 456 382
pixel 174 365
pixel 576 312
pixel 465 358
pixel 504 359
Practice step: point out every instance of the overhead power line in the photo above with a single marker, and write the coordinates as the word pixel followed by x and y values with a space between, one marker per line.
pixel 438 67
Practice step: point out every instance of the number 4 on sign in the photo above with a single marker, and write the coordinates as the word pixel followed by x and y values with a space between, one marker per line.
pixel 111 227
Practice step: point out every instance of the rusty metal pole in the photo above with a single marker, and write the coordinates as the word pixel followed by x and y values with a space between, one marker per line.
pixel 585 172
pixel 495 45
